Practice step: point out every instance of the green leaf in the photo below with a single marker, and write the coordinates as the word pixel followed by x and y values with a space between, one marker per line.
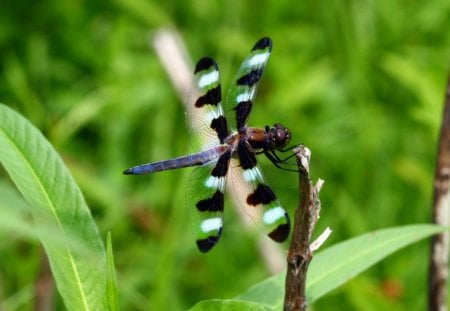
pixel 57 202
pixel 14 219
pixel 111 280
pixel 229 305
pixel 13 213
pixel 269 292
pixel 339 263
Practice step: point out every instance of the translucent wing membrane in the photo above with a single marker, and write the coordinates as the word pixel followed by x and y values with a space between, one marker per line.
pixel 257 199
pixel 205 199
pixel 243 89
pixel 205 113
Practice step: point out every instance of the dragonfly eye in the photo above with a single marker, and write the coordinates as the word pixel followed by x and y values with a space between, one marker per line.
pixel 281 135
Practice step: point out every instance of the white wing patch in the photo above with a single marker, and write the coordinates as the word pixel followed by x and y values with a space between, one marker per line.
pixel 245 96
pixel 212 224
pixel 252 174
pixel 214 113
pixel 273 215
pixel 258 59
pixel 208 79
pixel 215 182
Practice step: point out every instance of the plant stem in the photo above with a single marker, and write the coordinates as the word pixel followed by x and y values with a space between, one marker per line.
pixel 438 271
pixel 300 253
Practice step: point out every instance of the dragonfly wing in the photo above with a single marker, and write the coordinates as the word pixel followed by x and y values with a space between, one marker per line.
pixel 256 197
pixel 205 198
pixel 205 113
pixel 243 89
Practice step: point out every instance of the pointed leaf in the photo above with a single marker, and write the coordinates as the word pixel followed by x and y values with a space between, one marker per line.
pixel 44 181
pixel 15 220
pixel 339 263
pixel 229 305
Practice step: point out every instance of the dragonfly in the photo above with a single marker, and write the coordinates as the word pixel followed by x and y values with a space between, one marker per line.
pixel 229 147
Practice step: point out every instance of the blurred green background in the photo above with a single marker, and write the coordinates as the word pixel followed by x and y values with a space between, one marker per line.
pixel 361 83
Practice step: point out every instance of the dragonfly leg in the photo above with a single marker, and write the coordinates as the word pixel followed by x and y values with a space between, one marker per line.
pixel 285 160
pixel 278 162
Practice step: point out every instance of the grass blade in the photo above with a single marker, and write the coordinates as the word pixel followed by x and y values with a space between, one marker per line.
pixel 111 288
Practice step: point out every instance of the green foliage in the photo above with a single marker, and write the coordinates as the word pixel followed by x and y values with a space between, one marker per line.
pixel 339 263
pixel 350 257
pixel 355 255
pixel 111 280
pixel 229 305
pixel 361 83
pixel 40 175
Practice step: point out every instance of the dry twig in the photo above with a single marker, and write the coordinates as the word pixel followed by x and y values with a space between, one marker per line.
pixel 438 270
pixel 301 250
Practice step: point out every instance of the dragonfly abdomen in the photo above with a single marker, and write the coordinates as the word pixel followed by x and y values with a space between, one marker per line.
pixel 199 158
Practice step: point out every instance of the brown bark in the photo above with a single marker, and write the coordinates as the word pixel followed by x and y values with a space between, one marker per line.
pixel 300 253
pixel 438 271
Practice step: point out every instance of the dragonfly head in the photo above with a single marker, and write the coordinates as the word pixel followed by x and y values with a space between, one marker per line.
pixel 280 136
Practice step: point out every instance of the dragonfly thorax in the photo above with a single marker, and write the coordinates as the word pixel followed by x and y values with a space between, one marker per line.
pixel 269 138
